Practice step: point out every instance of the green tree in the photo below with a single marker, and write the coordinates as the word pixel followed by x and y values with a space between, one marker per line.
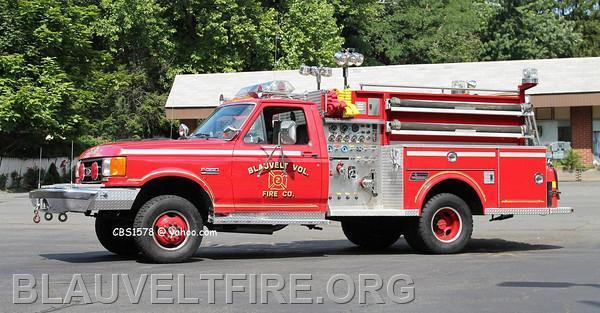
pixel 586 16
pixel 425 31
pixel 139 39
pixel 138 35
pixel 46 54
pixel 220 35
pixel 126 108
pixel 520 29
pixel 309 34
pixel 37 103
pixel 353 16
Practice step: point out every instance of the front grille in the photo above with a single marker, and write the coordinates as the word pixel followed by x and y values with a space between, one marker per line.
pixel 87 178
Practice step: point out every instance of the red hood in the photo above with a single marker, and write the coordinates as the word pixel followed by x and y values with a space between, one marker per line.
pixel 120 148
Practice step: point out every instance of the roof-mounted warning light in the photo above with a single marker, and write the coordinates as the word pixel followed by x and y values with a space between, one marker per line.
pixel 316 71
pixel 271 88
pixel 530 76
pixel 346 58
pixel 462 86
pixel 530 80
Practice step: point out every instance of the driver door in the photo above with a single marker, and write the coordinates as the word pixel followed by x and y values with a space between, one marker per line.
pixel 265 178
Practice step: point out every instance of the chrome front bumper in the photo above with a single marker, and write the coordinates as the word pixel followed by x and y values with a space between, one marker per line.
pixel 81 198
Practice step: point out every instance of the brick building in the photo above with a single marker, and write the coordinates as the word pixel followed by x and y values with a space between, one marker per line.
pixel 567 99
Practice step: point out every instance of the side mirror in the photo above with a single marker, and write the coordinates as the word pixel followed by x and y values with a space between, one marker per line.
pixel 287 133
pixel 230 132
pixel 183 131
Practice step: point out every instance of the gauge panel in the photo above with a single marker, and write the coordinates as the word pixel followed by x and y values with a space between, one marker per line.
pixel 344 139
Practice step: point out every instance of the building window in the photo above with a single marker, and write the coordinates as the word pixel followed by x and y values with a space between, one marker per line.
pixel 564 133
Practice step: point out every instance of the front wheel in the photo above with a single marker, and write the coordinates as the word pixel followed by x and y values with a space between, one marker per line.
pixel 108 226
pixel 174 226
pixel 445 226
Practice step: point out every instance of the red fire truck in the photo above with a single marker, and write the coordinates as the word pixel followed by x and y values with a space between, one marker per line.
pixel 384 161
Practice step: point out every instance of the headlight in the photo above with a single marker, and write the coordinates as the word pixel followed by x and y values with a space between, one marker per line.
pixel 114 166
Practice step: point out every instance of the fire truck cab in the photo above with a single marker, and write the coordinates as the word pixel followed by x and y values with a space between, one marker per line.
pixel 385 161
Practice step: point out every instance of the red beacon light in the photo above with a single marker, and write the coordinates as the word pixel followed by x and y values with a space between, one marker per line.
pixel 94 171
pixel 271 88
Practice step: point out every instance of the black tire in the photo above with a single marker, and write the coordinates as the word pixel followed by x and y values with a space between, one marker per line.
pixel 148 214
pixel 419 232
pixel 106 222
pixel 372 235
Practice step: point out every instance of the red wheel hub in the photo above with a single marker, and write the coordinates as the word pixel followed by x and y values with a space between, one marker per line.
pixel 170 229
pixel 446 224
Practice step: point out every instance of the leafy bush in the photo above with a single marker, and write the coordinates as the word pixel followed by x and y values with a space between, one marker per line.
pixel 31 178
pixel 52 176
pixel 3 179
pixel 15 180
pixel 572 161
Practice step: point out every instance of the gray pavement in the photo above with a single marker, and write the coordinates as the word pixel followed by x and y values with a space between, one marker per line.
pixel 524 264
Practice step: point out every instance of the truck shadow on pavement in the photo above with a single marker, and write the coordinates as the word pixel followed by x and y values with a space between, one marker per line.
pixel 551 284
pixel 544 284
pixel 304 248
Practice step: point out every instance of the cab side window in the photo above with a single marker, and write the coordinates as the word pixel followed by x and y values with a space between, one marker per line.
pixel 256 134
pixel 262 131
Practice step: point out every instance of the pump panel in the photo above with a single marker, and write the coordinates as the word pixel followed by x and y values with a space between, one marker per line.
pixel 353 148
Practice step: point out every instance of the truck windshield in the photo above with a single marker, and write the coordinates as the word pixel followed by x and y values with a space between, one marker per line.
pixel 225 122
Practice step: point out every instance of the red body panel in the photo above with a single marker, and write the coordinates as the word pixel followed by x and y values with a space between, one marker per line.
pixel 518 167
pixel 469 168
pixel 513 170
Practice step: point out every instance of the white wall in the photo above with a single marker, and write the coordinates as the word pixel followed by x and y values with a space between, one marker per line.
pixel 9 165
pixel 549 131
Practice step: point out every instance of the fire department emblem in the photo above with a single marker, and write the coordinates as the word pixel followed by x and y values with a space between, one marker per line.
pixel 277 180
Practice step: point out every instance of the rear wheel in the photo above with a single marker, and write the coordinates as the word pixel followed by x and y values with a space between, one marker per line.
pixel 175 226
pixel 371 234
pixel 108 225
pixel 445 226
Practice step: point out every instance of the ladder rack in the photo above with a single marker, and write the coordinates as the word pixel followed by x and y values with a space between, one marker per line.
pixel 453 107
pixel 460 133
pixel 452 129
pixel 523 111
pixel 438 88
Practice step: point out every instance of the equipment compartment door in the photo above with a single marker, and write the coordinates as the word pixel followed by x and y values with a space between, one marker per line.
pixel 284 181
pixel 518 170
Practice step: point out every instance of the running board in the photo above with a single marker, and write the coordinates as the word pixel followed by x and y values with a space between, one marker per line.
pixel 528 211
pixel 270 218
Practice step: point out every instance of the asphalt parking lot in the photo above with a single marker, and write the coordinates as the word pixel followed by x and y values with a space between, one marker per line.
pixel 524 264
